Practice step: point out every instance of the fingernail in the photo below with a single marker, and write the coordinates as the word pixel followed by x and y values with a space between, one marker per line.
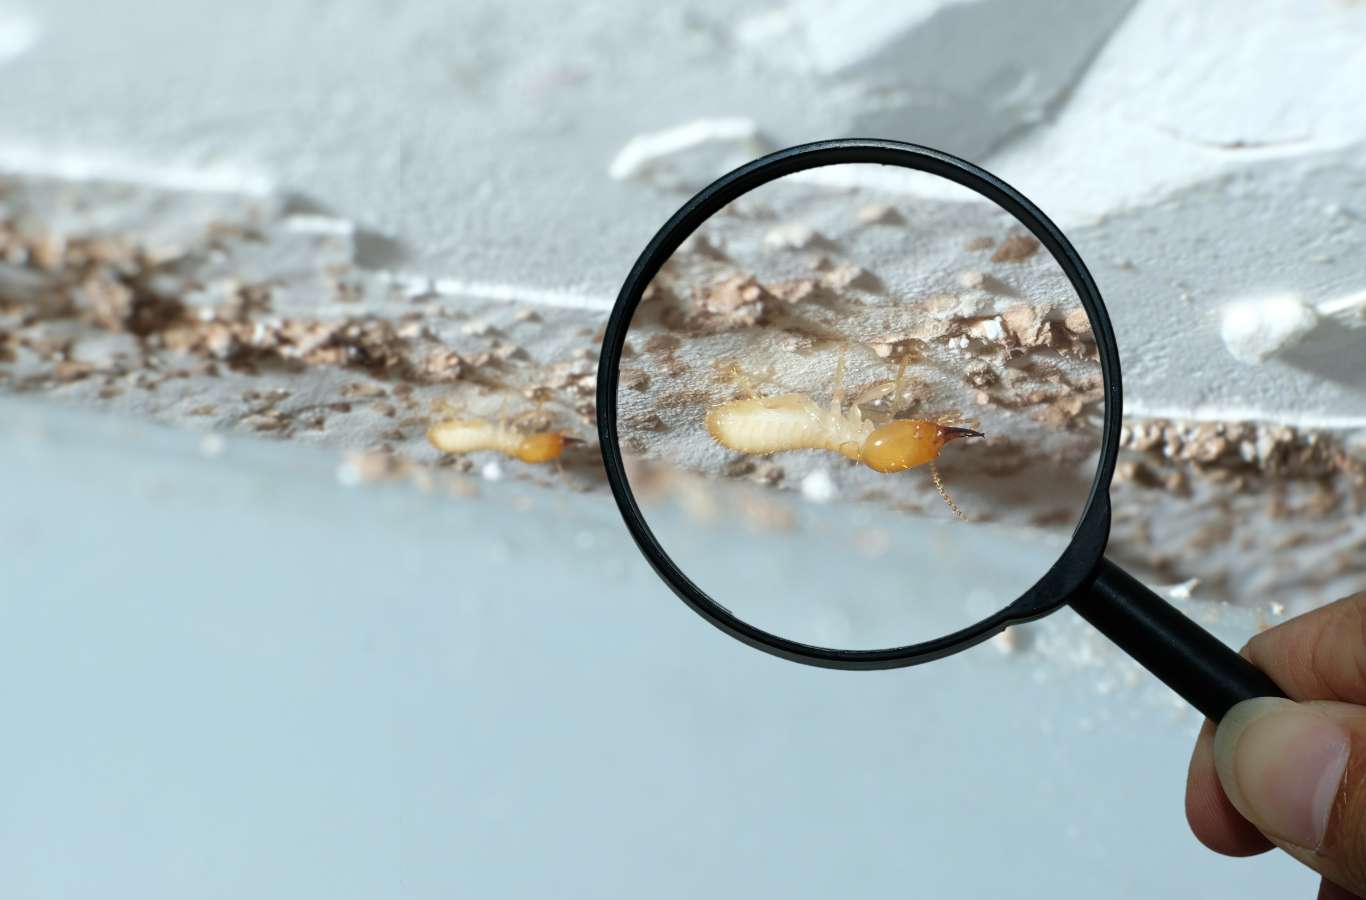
pixel 1281 765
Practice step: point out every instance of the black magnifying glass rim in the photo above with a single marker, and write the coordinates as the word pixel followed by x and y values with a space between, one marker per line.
pixel 1075 567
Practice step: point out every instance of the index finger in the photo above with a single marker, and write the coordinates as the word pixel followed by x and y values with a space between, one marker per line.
pixel 1320 655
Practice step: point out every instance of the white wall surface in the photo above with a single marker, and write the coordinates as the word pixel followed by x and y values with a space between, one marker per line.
pixel 1197 153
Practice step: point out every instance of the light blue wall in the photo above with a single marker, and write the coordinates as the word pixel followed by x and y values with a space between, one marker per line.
pixel 229 677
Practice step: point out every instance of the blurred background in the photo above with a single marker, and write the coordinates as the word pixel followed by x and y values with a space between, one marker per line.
pixel 258 638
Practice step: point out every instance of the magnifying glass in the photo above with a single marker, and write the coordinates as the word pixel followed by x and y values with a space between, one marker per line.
pixel 859 404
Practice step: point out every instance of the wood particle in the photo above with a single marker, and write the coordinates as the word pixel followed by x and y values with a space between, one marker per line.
pixel 538 393
pixel 662 343
pixel 645 422
pixel 794 291
pixel 416 331
pixel 700 244
pixel 1078 322
pixel 895 346
pixel 266 421
pixel 1029 325
pixel 980 374
pixel 634 379
pixel 1016 248
pixel 880 215
pixel 73 370
pixel 737 301
pixel 847 275
pixel 793 236
pixel 768 473
pixel 503 350
pixel 361 390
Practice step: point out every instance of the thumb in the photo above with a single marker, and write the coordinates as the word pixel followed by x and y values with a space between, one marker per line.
pixel 1294 771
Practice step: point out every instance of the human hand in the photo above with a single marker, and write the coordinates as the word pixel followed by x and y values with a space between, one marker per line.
pixel 1293 774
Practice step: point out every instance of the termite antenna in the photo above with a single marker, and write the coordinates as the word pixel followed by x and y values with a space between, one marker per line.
pixel 537 411
pixel 939 486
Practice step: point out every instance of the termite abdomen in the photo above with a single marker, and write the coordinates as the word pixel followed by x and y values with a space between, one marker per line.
pixel 763 425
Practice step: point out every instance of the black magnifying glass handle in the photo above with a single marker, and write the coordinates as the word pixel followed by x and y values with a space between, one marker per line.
pixel 1189 660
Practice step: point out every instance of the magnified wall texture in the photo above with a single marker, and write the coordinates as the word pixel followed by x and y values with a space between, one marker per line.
pixel 774 386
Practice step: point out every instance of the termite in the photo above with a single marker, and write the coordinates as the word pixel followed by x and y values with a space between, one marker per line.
pixel 501 436
pixel 764 425
pixel 472 435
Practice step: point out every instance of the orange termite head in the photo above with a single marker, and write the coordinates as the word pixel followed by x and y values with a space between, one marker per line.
pixel 906 443
pixel 542 447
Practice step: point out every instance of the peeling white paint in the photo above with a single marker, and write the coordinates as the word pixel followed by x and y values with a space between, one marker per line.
pixel 1348 305
pixel 513 292
pixel 314 224
pixel 1254 330
pixel 694 152
pixel 1212 413
pixel 110 164
pixel 793 236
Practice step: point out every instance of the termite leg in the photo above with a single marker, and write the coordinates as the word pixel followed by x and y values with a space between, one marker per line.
pixel 521 417
pixel 837 396
pixel 735 373
pixel 443 408
pixel 939 486
pixel 747 385
pixel 900 382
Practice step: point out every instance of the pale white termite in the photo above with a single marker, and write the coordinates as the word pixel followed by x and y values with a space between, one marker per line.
pixel 472 435
pixel 764 425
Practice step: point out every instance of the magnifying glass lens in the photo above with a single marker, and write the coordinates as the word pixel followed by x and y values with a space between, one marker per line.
pixel 861 407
